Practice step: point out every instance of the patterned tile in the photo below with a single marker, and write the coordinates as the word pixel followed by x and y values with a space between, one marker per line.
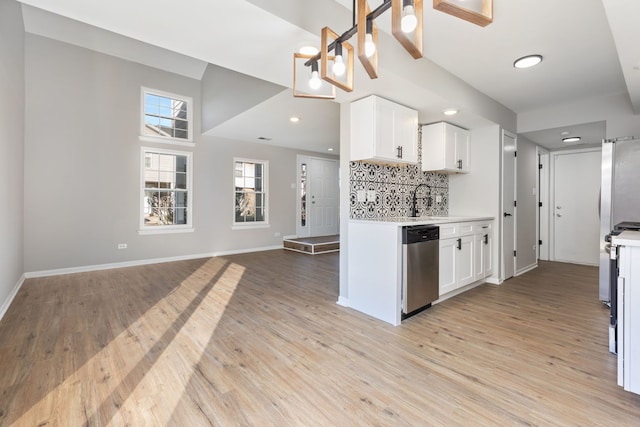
pixel 394 187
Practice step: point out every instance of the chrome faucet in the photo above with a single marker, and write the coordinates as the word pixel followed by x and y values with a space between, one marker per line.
pixel 414 199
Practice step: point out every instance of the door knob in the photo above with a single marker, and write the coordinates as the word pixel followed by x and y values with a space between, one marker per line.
pixel 558 207
pixel 558 215
pixel 506 214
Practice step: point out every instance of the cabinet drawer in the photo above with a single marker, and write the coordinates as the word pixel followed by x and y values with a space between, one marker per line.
pixel 482 228
pixel 448 230
pixel 465 229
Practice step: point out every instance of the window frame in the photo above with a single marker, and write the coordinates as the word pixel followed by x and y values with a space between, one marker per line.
pixel 265 191
pixel 166 139
pixel 174 228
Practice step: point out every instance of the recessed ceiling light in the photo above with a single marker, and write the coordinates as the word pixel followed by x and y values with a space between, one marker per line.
pixel 571 139
pixel 308 50
pixel 450 112
pixel 329 149
pixel 294 119
pixel 527 61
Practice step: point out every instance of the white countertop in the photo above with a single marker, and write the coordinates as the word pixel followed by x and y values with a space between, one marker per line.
pixel 626 238
pixel 403 221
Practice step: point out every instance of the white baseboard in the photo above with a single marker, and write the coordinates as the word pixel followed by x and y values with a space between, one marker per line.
pixel 87 268
pixel 493 280
pixel 343 301
pixel 527 268
pixel 12 295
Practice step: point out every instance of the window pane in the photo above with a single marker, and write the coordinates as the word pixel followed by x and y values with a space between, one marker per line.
pixel 260 215
pixel 181 181
pixel 258 184
pixel 181 199
pixel 180 216
pixel 164 116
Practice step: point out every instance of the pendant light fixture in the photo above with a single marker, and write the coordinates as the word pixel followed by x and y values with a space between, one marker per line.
pixel 337 69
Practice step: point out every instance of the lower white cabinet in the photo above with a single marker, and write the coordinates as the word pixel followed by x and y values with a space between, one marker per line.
pixel 465 255
pixel 483 252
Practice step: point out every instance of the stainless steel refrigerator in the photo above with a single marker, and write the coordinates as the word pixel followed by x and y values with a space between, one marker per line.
pixel 620 196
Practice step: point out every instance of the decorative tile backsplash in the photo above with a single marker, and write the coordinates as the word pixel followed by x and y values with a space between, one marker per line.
pixel 394 186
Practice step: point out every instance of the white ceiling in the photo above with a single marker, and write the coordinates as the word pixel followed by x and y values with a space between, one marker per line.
pixel 583 59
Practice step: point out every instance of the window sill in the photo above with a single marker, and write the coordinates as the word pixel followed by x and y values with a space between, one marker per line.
pixel 249 226
pixel 164 230
pixel 172 141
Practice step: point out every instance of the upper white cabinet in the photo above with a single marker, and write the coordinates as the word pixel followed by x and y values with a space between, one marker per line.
pixel 445 148
pixel 383 131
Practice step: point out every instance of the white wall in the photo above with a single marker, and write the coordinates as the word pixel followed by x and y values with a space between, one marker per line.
pixel 82 166
pixel 11 150
pixel 478 192
pixel 527 176
pixel 615 109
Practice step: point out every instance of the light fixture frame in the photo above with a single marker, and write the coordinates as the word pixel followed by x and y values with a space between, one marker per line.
pixel 481 18
pixel 534 55
pixel 328 36
pixel 411 42
pixel 303 58
pixel 370 64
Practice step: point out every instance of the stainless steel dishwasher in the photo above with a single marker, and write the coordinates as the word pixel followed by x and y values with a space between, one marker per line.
pixel 420 250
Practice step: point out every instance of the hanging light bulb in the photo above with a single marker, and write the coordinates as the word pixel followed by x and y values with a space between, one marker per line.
pixel 338 63
pixel 369 44
pixel 314 81
pixel 409 20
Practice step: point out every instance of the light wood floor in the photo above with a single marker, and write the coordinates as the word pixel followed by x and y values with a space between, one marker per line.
pixel 257 339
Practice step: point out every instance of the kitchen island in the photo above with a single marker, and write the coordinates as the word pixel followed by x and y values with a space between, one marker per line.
pixel 375 262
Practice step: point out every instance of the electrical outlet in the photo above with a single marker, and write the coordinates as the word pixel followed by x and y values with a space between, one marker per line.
pixel 438 199
pixel 276 234
pixel 362 195
pixel 122 246
pixel 371 195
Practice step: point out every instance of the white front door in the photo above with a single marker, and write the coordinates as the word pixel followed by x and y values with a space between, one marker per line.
pixel 317 197
pixel 575 210
pixel 508 219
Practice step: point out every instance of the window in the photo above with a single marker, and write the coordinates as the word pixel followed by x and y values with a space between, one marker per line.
pixel 166 116
pixel 250 192
pixel 166 190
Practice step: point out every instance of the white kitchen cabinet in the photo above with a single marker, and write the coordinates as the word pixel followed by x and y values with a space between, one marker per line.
pixel 483 251
pixel 448 280
pixel 383 131
pixel 445 148
pixel 465 254
pixel 456 263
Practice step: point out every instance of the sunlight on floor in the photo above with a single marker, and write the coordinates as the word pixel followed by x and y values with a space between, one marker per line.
pixel 141 349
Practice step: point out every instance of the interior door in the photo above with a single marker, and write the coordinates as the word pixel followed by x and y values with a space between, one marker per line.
pixel 322 196
pixel 575 208
pixel 508 219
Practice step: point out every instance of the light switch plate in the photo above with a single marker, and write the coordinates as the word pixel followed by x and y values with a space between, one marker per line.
pixel 362 195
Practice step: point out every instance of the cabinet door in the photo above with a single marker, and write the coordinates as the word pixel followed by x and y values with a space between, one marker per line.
pixel 450 156
pixel 447 265
pixel 464 259
pixel 406 133
pixel 462 149
pixel 479 257
pixel 487 254
pixel 385 144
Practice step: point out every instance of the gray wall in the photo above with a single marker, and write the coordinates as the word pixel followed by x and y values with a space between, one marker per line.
pixel 11 148
pixel 82 166
pixel 526 180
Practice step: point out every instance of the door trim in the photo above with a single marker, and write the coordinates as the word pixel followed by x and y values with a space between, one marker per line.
pixel 501 264
pixel 542 213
